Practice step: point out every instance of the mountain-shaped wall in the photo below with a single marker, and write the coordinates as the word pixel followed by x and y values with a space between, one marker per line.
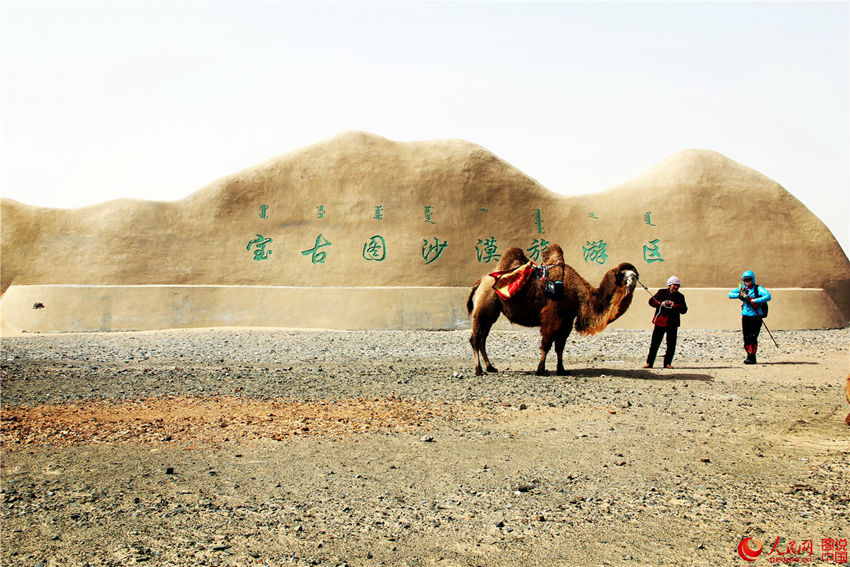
pixel 359 210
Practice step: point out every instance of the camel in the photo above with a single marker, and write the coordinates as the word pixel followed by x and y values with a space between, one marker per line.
pixel 592 309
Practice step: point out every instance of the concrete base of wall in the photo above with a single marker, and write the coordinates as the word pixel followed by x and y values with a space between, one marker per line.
pixel 75 308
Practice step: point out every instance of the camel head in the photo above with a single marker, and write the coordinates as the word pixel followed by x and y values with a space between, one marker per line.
pixel 625 280
pixel 626 275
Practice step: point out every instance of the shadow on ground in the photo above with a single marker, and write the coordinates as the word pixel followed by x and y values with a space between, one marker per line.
pixel 675 374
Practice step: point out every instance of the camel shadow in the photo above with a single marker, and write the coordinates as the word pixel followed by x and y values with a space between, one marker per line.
pixel 640 374
pixel 786 362
pixel 743 366
pixel 705 368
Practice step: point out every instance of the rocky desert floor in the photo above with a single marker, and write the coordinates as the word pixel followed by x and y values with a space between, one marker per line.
pixel 281 447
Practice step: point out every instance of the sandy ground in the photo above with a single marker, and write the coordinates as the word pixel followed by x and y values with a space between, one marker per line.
pixel 276 447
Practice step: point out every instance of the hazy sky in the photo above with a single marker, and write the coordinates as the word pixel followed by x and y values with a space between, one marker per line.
pixel 154 100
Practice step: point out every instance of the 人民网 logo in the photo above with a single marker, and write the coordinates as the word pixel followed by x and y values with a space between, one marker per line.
pixel 747 551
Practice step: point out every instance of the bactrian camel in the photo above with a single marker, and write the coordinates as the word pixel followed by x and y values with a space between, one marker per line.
pixel 554 310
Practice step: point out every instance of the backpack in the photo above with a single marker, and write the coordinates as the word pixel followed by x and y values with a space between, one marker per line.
pixel 762 305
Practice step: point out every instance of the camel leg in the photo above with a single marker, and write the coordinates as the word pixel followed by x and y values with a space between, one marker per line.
pixel 482 348
pixel 545 345
pixel 475 355
pixel 550 331
pixel 560 343
pixel 478 340
pixel 474 340
pixel 485 312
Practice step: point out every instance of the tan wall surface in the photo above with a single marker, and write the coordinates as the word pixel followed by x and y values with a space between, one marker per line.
pixel 123 308
pixel 361 211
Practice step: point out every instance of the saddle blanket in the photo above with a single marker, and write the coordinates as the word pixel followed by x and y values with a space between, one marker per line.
pixel 508 283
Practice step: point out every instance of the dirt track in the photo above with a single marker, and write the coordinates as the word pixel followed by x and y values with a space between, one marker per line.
pixel 242 447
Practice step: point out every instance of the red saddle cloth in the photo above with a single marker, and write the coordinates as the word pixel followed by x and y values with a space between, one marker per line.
pixel 510 282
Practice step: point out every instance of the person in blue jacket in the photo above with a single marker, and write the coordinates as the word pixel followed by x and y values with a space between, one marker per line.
pixel 752 297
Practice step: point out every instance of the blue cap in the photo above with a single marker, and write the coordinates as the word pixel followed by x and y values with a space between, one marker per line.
pixel 748 274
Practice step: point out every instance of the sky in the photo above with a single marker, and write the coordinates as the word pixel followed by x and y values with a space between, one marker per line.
pixel 155 100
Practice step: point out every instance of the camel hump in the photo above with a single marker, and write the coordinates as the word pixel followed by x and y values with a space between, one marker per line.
pixel 553 254
pixel 512 258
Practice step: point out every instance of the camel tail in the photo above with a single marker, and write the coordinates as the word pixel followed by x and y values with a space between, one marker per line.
pixel 469 303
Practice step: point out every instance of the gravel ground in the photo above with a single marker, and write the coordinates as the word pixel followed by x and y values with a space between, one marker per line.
pixel 281 447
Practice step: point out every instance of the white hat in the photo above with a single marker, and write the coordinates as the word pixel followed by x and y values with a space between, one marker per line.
pixel 673 280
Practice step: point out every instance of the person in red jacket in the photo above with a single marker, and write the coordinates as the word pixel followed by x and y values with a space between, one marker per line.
pixel 669 304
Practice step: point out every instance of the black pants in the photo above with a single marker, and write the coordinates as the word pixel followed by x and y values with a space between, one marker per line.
pixel 657 335
pixel 751 327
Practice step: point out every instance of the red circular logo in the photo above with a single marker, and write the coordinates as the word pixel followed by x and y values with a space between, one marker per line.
pixel 748 552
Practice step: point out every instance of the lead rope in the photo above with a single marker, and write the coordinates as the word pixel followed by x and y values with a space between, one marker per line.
pixel 646 288
pixel 657 309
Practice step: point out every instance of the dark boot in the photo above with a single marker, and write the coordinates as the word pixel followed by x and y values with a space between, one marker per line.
pixel 751 354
